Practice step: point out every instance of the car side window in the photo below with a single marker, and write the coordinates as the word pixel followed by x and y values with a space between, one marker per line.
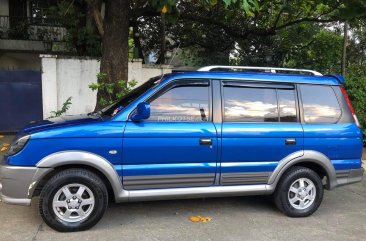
pixel 181 104
pixel 250 105
pixel 287 105
pixel 320 104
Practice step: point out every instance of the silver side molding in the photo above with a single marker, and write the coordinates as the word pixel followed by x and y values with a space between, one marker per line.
pixel 122 195
pixel 197 192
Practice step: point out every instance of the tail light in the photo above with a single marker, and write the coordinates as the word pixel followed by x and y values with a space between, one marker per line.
pixel 350 106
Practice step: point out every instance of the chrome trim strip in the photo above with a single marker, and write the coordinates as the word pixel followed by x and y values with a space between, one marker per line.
pixel 244 178
pixel 197 192
pixel 167 181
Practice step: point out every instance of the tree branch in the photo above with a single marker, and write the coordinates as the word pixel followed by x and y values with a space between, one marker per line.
pixel 305 20
pixel 95 6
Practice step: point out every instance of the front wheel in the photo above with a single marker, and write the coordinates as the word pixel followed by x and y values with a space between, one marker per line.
pixel 299 192
pixel 73 200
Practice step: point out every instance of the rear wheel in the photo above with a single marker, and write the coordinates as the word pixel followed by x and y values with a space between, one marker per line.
pixel 299 192
pixel 73 200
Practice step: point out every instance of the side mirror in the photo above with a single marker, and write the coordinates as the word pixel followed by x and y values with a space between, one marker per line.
pixel 142 112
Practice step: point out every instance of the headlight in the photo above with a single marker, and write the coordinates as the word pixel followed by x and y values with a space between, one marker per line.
pixel 17 145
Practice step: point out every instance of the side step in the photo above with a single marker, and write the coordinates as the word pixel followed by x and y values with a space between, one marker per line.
pixel 198 192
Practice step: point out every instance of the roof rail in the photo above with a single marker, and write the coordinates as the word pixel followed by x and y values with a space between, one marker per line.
pixel 266 69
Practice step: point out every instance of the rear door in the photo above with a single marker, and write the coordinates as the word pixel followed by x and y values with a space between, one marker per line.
pixel 260 127
pixel 177 145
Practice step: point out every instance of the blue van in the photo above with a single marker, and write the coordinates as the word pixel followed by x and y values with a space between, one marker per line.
pixel 219 131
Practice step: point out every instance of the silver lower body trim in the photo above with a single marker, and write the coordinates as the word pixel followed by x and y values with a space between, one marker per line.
pixel 18 183
pixel 350 176
pixel 168 181
pixel 15 201
pixel 198 192
pixel 244 178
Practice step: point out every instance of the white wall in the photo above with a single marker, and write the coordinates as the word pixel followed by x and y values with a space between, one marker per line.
pixel 63 77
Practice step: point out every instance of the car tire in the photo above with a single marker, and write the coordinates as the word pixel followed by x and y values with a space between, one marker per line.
pixel 299 192
pixel 73 200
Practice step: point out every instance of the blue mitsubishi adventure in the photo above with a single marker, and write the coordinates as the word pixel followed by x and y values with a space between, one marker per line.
pixel 218 131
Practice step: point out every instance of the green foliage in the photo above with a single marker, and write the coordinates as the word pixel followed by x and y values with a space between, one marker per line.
pixel 65 107
pixel 248 6
pixel 81 38
pixel 356 89
pixel 193 56
pixel 321 51
pixel 115 90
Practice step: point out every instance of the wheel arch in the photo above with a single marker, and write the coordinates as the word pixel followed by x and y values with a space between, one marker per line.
pixel 314 160
pixel 79 159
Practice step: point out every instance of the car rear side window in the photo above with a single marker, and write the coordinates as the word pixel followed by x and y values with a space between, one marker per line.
pixel 181 104
pixel 320 104
pixel 250 105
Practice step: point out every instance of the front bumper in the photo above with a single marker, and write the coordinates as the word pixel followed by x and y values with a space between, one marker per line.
pixel 17 183
pixel 350 176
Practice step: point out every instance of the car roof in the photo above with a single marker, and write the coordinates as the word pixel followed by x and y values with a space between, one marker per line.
pixel 256 76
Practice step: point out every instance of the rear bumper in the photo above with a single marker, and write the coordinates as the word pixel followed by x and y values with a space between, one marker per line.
pixel 350 176
pixel 17 183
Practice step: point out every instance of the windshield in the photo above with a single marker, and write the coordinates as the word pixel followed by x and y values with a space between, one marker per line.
pixel 117 106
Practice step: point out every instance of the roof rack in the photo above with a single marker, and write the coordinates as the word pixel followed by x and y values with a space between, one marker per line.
pixel 265 69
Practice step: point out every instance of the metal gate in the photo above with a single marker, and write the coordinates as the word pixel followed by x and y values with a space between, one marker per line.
pixel 20 99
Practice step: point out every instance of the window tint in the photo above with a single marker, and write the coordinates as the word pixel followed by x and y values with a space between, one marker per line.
pixel 320 104
pixel 250 105
pixel 287 105
pixel 181 104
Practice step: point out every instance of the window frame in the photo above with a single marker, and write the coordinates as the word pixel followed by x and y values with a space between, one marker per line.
pixel 301 104
pixel 264 85
pixel 181 83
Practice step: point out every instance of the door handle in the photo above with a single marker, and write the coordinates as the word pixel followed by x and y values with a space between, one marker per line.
pixel 290 141
pixel 206 141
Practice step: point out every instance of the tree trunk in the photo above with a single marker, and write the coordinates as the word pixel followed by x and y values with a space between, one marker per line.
pixel 161 58
pixel 136 40
pixel 114 61
pixel 344 49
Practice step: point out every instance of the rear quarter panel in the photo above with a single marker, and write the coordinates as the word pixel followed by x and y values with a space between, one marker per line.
pixel 341 143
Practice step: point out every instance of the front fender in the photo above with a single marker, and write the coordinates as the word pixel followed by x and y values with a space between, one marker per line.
pixel 64 158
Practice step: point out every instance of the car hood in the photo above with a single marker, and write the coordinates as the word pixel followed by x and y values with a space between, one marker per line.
pixel 59 122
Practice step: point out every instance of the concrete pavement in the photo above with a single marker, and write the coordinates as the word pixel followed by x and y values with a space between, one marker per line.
pixel 341 216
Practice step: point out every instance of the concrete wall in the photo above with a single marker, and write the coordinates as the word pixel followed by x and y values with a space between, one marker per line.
pixel 19 61
pixel 63 77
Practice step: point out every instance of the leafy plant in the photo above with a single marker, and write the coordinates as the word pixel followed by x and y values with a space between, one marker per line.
pixel 115 90
pixel 65 107
pixel 356 89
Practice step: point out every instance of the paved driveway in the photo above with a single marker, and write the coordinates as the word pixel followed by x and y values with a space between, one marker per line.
pixel 342 216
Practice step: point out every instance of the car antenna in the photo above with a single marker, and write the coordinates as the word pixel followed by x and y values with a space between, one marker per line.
pixel 175 53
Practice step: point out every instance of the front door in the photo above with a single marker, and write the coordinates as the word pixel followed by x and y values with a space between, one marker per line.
pixel 260 128
pixel 177 145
